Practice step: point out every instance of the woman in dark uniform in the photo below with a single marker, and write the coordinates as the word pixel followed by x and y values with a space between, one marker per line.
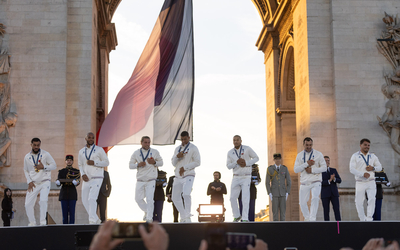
pixel 68 178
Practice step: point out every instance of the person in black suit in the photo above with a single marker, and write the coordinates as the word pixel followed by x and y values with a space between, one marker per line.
pixel 169 194
pixel 104 193
pixel 329 190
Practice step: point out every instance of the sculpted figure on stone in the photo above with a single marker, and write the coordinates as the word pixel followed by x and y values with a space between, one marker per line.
pixel 390 121
pixel 389 46
pixel 8 116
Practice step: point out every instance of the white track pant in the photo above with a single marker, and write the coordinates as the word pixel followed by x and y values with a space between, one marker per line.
pixel 304 195
pixel 145 189
pixel 362 188
pixel 44 189
pixel 90 193
pixel 182 187
pixel 240 183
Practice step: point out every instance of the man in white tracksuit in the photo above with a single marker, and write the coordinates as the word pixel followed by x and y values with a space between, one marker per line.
pixel 240 159
pixel 363 165
pixel 186 158
pixel 37 166
pixel 310 163
pixel 146 160
pixel 91 160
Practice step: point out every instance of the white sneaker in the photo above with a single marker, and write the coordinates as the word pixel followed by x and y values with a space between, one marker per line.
pixel 31 224
pixel 149 221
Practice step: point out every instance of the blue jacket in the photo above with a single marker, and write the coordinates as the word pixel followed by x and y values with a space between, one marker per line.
pixel 328 190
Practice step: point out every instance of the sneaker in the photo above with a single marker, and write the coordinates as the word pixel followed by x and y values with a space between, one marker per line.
pixel 237 219
pixel 245 221
pixel 149 221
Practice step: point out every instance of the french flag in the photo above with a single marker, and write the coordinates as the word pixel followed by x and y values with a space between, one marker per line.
pixel 157 101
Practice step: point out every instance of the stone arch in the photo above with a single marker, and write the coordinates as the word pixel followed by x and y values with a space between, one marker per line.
pixel 266 8
pixel 286 111
pixel 287 77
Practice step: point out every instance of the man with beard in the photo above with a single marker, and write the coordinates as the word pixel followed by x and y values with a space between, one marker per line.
pixel 185 159
pixel 146 160
pixel 91 160
pixel 362 165
pixel 240 159
pixel 310 163
pixel 37 166
pixel 217 189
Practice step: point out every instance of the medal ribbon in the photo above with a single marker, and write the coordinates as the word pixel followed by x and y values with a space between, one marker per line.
pixel 184 149
pixel 91 151
pixel 366 161
pixel 37 160
pixel 240 152
pixel 147 155
pixel 311 154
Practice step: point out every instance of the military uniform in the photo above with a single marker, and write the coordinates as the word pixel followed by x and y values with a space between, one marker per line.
pixel 379 194
pixel 68 195
pixel 278 183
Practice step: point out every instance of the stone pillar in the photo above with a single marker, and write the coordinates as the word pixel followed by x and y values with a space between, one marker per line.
pixel 59 81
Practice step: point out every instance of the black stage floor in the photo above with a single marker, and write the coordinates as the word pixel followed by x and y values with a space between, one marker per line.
pixel 278 235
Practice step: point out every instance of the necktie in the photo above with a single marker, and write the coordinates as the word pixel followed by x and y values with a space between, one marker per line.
pixel 277 168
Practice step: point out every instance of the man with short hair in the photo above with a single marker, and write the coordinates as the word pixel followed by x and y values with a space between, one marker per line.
pixel 310 163
pixel 278 184
pixel 240 159
pixel 37 166
pixel 146 160
pixel 185 159
pixel 216 189
pixel 329 190
pixel 362 165
pixel 68 178
pixel 92 160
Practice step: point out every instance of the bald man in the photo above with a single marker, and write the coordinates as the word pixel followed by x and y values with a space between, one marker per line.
pixel 91 160
pixel 240 159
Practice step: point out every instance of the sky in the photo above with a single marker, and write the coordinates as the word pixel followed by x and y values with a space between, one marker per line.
pixel 229 97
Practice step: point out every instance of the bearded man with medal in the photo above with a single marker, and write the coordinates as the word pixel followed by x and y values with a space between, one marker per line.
pixel 91 161
pixel 185 159
pixel 146 160
pixel 310 163
pixel 37 166
pixel 363 165
pixel 240 159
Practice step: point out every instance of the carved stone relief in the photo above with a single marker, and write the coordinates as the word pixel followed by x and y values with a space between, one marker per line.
pixel 8 116
pixel 389 46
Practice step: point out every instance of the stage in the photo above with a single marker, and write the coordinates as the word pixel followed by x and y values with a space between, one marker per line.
pixel 187 236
